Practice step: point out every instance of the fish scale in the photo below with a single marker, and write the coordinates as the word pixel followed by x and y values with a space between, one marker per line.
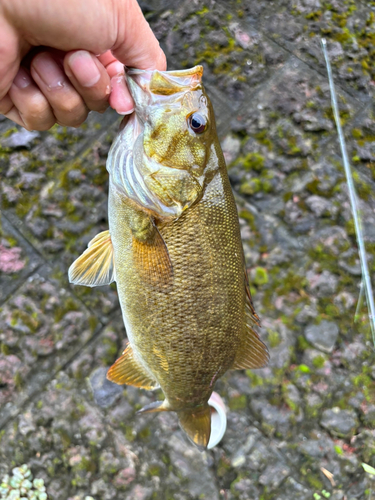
pixel 181 278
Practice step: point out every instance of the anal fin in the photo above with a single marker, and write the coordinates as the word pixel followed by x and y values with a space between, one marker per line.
pixel 127 370
pixel 96 266
pixel 156 406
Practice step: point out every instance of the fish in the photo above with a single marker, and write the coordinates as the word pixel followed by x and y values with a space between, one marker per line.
pixel 174 249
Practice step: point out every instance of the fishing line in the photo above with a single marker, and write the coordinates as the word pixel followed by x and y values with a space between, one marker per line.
pixel 366 281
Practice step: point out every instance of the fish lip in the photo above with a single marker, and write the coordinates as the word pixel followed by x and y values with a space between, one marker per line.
pixel 196 70
pixel 157 83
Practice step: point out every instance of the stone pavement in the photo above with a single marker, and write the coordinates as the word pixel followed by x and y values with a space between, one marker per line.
pixel 298 429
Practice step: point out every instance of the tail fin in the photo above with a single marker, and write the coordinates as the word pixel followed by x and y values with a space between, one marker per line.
pixel 196 422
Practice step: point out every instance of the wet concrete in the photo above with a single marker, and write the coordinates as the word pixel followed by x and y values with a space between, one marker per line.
pixel 299 428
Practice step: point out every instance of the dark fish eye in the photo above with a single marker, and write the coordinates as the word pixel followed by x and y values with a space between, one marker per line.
pixel 197 123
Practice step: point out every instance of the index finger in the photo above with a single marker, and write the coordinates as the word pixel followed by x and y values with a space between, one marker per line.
pixel 111 64
pixel 120 98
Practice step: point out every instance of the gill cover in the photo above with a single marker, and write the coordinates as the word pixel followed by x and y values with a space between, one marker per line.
pixel 158 160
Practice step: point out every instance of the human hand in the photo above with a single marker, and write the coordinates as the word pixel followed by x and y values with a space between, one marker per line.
pixel 63 79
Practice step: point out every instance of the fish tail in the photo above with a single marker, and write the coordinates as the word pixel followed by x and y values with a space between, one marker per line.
pixel 196 422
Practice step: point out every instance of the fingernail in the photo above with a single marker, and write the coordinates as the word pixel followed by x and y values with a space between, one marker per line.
pixel 123 113
pixel 120 99
pixel 22 79
pixel 117 67
pixel 49 71
pixel 84 68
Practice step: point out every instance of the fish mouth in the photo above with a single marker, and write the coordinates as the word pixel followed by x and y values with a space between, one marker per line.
pixel 164 82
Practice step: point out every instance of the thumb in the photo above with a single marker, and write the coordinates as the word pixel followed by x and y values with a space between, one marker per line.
pixel 10 55
pixel 136 45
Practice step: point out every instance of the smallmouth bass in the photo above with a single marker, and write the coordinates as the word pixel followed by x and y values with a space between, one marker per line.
pixel 174 249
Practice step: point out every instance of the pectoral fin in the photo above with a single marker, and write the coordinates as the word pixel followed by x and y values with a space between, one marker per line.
pixel 151 258
pixel 128 370
pixel 96 266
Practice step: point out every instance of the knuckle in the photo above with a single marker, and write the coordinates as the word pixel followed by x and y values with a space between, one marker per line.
pixel 70 110
pixel 32 124
pixel 98 106
pixel 38 114
pixel 28 126
pixel 37 107
pixel 78 123
pixel 71 105
pixel 73 121
pixel 5 105
pixel 47 125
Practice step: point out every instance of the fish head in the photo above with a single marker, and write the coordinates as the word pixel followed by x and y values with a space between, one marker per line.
pixel 176 115
pixel 168 141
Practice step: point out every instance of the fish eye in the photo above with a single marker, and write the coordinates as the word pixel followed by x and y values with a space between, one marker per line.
pixel 197 123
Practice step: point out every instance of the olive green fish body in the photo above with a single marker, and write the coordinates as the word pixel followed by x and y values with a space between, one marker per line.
pixel 186 333
pixel 174 249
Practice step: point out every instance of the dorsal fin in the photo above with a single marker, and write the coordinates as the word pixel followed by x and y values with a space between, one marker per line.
pixel 250 310
pixel 96 266
pixel 128 370
pixel 253 353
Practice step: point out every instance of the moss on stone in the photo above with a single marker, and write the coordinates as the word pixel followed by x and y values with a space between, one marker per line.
pixel 154 470
pixel 256 380
pixel 318 361
pixel 238 402
pixel 252 161
pixel 145 433
pixel 274 338
pixel 260 276
pixel 263 138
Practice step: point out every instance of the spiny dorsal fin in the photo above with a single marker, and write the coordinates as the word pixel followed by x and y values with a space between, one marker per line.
pixel 152 261
pixel 253 353
pixel 127 370
pixel 96 266
pixel 250 310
